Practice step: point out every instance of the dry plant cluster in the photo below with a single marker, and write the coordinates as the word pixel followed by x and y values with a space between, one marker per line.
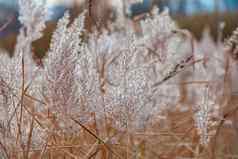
pixel 117 93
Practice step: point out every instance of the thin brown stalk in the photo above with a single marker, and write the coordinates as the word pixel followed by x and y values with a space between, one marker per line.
pixel 35 99
pixel 29 141
pixel 4 150
pixel 91 150
pixel 219 127
pixel 44 149
pixel 182 138
pixel 96 137
pixel 22 96
pixel 177 70
pixel 70 154
pixel 94 154
pixel 213 150
pixel 195 82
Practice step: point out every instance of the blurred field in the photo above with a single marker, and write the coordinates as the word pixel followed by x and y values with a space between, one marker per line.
pixel 196 24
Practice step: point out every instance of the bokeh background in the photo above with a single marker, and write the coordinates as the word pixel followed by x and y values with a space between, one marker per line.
pixel 195 15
